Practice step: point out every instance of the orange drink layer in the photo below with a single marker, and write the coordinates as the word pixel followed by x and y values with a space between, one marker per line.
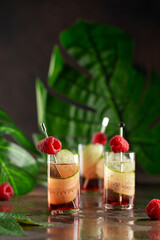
pixel 63 190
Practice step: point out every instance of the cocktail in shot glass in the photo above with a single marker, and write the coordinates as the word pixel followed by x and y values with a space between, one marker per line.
pixel 92 167
pixel 119 174
pixel 63 176
pixel 119 180
pixel 63 183
pixel 92 161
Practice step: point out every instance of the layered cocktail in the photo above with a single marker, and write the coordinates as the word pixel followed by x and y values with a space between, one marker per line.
pixel 92 167
pixel 63 183
pixel 92 161
pixel 119 180
pixel 63 176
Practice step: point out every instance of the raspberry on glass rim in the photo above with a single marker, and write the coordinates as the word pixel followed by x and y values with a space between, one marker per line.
pixel 49 145
pixel 100 137
pixel 119 144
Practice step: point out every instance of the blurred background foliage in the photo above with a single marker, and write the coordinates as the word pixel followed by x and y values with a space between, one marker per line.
pixel 91 75
pixel 101 82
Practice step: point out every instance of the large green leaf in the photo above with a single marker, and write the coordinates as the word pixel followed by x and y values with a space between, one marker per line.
pixel 17 165
pixel 102 83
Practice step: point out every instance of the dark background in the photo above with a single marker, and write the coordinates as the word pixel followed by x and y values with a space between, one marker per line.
pixel 29 30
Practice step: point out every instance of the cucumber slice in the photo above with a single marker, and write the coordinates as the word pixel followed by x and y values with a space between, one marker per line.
pixel 113 163
pixel 65 156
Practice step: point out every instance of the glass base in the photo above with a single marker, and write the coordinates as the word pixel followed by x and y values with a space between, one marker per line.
pixel 64 212
pixel 123 207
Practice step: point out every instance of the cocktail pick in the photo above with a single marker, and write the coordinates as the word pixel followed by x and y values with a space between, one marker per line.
pixel 44 129
pixel 121 125
pixel 46 135
pixel 104 124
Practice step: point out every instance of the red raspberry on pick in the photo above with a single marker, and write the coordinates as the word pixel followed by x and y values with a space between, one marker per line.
pixel 49 145
pixel 153 209
pixel 99 137
pixel 6 191
pixel 119 144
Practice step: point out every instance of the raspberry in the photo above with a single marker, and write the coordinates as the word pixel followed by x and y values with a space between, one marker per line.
pixel 49 145
pixel 99 137
pixel 119 144
pixel 153 209
pixel 6 191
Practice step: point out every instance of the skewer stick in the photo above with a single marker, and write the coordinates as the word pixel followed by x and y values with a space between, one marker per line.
pixel 121 125
pixel 104 124
pixel 46 135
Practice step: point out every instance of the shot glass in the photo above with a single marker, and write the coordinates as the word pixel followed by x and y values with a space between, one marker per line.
pixel 119 180
pixel 91 167
pixel 63 185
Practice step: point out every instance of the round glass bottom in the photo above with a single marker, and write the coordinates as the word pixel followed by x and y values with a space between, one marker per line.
pixel 123 207
pixel 64 212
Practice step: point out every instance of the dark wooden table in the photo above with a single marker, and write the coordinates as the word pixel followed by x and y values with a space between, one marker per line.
pixel 92 222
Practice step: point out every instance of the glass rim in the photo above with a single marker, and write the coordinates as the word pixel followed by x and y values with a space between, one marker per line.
pixel 130 155
pixel 128 152
pixel 85 144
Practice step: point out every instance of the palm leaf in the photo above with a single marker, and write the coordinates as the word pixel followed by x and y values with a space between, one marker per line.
pixel 17 165
pixel 102 82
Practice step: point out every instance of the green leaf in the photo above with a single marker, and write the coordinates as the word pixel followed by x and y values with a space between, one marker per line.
pixel 23 219
pixel 9 226
pixel 41 94
pixel 18 167
pixel 102 83
pixel 9 223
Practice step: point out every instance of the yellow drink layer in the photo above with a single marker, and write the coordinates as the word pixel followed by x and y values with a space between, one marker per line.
pixel 119 176
pixel 120 182
pixel 64 188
